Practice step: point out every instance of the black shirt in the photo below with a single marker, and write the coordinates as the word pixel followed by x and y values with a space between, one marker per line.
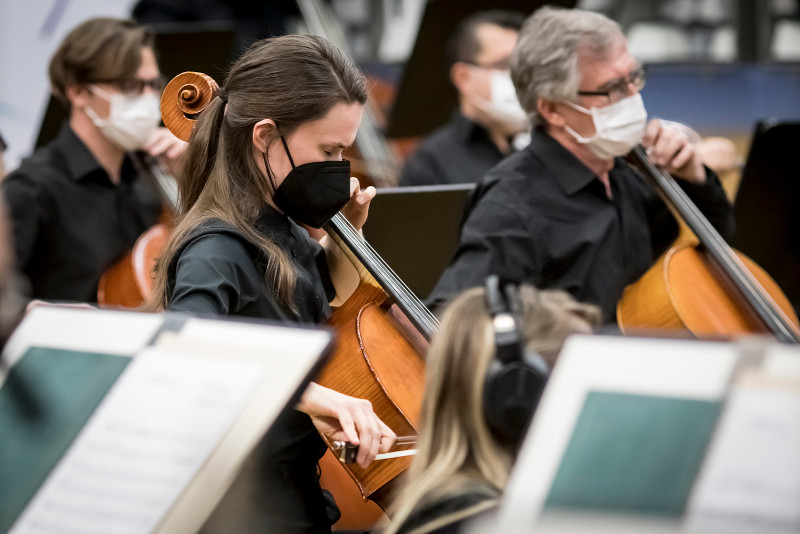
pixel 542 216
pixel 461 151
pixel 70 222
pixel 451 514
pixel 218 272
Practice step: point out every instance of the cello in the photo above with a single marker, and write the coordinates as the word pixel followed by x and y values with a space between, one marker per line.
pixel 700 284
pixel 129 281
pixel 382 329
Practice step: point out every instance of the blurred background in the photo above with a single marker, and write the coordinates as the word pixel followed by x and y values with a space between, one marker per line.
pixel 717 65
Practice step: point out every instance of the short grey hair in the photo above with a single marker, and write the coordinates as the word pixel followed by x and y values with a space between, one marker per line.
pixel 545 60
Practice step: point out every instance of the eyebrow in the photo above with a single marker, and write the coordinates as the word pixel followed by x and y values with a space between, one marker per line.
pixel 337 145
pixel 612 83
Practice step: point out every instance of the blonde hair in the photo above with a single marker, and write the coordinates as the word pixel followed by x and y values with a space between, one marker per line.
pixel 456 451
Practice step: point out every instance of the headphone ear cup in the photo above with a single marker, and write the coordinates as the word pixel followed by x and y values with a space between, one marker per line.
pixel 511 394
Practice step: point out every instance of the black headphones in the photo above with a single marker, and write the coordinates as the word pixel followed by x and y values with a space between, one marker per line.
pixel 516 377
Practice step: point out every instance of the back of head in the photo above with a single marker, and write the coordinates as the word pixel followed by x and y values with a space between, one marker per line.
pixel 98 50
pixel 457 451
pixel 545 61
pixel 464 45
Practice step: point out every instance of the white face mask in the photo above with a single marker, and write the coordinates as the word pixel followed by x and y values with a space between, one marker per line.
pixel 618 127
pixel 503 106
pixel 131 119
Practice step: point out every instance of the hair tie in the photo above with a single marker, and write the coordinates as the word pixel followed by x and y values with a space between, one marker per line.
pixel 222 94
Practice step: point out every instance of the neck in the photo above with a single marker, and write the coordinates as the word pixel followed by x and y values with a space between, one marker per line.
pixel 498 135
pixel 600 167
pixel 500 139
pixel 107 154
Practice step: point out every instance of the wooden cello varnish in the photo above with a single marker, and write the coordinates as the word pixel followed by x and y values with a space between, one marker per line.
pixel 700 286
pixel 378 357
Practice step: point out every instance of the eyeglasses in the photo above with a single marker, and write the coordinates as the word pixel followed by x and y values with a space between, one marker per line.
pixel 618 89
pixel 503 64
pixel 136 86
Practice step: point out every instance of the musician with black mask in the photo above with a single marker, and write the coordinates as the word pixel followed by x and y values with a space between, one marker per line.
pixel 265 156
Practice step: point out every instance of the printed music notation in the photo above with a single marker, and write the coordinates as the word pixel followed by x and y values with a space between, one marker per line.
pixel 142 446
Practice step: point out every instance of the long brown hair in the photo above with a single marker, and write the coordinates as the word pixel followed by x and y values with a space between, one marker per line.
pixel 456 451
pixel 292 79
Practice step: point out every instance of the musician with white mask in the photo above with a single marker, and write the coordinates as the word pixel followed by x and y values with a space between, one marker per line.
pixel 489 123
pixel 567 212
pixel 79 203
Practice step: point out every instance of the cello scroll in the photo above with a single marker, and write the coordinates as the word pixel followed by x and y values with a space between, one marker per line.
pixel 184 98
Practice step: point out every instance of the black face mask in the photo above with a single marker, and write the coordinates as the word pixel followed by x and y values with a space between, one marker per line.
pixel 314 192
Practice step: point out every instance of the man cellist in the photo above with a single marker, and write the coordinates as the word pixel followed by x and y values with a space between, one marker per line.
pixel 567 212
pixel 78 203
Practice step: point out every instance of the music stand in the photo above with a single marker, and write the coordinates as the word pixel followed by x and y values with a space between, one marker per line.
pixel 417 229
pixel 767 229
pixel 180 46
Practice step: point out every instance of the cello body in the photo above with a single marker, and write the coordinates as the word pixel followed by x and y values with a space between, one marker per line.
pixel 682 293
pixel 701 285
pixel 129 281
pixel 372 360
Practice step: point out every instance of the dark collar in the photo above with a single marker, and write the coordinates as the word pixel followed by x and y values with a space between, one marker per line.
pixel 572 174
pixel 468 129
pixel 271 220
pixel 79 161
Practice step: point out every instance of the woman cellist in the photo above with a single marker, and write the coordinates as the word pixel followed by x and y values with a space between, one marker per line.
pixel 269 147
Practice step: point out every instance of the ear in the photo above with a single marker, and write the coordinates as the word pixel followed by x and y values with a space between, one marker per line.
pixel 550 112
pixel 78 96
pixel 263 133
pixel 460 75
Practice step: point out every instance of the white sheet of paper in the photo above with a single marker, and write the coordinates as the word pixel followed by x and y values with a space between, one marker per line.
pixel 147 439
pixel 750 481
pixel 86 330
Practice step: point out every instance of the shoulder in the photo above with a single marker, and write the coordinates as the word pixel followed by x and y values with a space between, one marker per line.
pixel 512 181
pixel 37 170
pixel 36 181
pixel 448 514
pixel 218 240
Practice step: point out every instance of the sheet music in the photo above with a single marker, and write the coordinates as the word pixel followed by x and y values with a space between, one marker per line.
pixel 751 479
pixel 112 332
pixel 145 442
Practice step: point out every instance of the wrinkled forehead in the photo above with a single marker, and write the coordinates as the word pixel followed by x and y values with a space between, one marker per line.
pixel 598 66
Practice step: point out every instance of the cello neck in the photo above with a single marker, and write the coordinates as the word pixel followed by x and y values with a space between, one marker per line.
pixel 163 181
pixel 716 248
pixel 364 256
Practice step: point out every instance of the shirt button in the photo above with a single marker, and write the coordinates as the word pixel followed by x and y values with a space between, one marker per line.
pixel 294 253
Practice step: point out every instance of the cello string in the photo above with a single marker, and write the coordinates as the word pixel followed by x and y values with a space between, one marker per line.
pixel 380 263
pixel 719 249
pixel 400 287
pixel 399 290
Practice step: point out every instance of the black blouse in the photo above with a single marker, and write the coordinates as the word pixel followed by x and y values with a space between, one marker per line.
pixel 70 222
pixel 461 151
pixel 218 272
